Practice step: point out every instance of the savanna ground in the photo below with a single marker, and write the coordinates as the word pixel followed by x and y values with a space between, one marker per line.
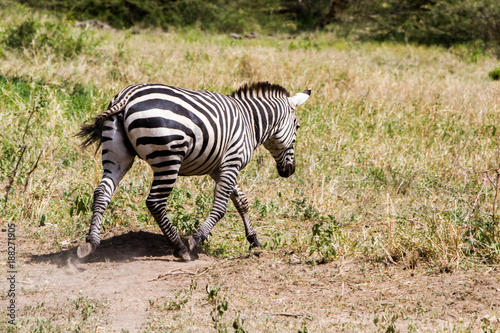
pixel 389 224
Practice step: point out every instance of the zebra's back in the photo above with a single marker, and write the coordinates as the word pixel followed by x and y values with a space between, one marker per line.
pixel 169 126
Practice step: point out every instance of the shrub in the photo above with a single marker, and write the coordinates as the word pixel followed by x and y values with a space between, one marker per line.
pixel 21 36
pixel 328 241
pixel 60 39
pixel 444 22
pixel 495 74
pixel 217 15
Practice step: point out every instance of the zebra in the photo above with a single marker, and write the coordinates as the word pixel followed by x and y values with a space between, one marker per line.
pixel 182 132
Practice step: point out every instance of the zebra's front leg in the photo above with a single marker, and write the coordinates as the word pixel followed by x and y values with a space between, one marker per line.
pixel 241 203
pixel 224 186
pixel 156 202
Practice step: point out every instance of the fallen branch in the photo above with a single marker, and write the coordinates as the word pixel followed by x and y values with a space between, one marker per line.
pixel 295 315
pixel 175 271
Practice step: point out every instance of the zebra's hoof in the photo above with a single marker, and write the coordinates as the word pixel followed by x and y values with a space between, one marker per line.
pixel 254 242
pixel 191 242
pixel 254 247
pixel 182 253
pixel 85 249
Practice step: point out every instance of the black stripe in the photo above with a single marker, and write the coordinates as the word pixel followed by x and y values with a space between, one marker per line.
pixel 152 196
pixel 158 182
pixel 166 163
pixel 159 122
pixel 180 145
pixel 107 128
pixel 164 153
pixel 158 140
pixel 166 173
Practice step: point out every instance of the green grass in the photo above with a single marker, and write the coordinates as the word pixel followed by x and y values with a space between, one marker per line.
pixel 389 152
pixel 78 315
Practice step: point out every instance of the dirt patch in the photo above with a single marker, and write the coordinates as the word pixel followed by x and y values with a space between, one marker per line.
pixel 143 287
pixel 127 271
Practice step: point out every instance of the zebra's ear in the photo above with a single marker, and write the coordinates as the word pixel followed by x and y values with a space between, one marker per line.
pixel 300 98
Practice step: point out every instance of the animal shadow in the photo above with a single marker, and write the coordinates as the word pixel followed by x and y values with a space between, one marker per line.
pixel 134 245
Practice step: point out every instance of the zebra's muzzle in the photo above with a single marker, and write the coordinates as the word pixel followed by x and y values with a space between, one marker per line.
pixel 287 170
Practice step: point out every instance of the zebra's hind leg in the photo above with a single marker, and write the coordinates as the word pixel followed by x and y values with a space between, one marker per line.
pixel 102 197
pixel 163 183
pixel 117 159
pixel 241 203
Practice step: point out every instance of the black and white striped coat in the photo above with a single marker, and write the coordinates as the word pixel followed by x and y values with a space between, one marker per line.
pixel 181 132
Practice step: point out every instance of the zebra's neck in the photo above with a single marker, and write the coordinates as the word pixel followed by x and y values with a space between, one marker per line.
pixel 261 118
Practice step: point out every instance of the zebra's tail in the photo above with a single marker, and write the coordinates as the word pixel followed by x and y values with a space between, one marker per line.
pixel 90 133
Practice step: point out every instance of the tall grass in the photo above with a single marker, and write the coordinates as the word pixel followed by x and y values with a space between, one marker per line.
pixel 389 154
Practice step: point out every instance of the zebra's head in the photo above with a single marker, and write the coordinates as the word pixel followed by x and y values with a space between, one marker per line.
pixel 282 143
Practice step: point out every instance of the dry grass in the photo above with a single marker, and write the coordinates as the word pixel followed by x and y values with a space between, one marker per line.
pixel 387 151
pixel 387 142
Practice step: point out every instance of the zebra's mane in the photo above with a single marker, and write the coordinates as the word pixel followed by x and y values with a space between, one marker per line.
pixel 260 90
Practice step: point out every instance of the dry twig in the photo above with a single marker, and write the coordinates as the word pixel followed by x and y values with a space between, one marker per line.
pixel 295 315
pixel 23 148
pixel 175 271
pixel 28 175
pixel 13 177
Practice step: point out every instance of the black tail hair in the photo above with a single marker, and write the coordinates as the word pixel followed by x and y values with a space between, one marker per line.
pixel 90 133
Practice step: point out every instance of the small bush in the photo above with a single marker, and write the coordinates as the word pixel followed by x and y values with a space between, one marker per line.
pixel 329 242
pixel 441 22
pixel 323 241
pixel 60 39
pixel 495 74
pixel 482 240
pixel 21 36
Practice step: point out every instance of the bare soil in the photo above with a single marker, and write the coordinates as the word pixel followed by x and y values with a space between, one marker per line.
pixel 139 286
